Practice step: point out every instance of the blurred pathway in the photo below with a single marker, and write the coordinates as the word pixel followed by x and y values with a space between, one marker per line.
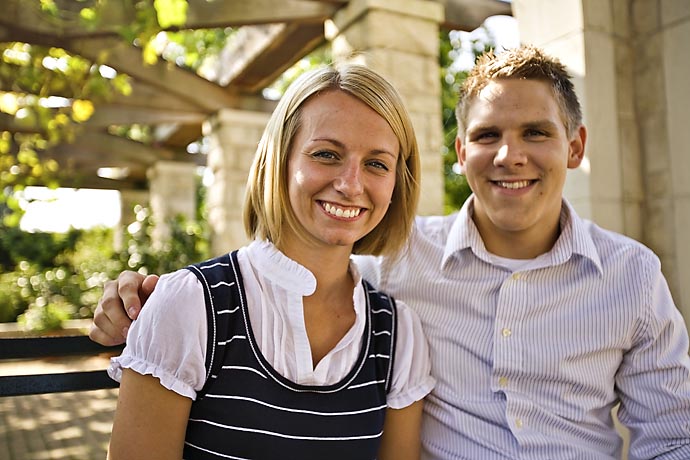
pixel 64 426
pixel 57 426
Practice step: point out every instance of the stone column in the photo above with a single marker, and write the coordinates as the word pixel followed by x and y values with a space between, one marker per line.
pixel 607 187
pixel 665 136
pixel 234 136
pixel 400 41
pixel 173 192
pixel 631 67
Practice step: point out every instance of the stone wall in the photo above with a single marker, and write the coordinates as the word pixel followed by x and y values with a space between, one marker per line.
pixel 630 64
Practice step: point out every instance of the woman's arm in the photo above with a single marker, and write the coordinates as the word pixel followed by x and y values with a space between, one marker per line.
pixel 150 420
pixel 401 433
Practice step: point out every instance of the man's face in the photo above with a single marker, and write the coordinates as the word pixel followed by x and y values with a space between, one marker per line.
pixel 515 155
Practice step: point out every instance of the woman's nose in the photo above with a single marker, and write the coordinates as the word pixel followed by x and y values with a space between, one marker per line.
pixel 349 181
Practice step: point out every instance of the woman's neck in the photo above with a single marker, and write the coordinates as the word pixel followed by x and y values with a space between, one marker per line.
pixel 330 266
pixel 329 312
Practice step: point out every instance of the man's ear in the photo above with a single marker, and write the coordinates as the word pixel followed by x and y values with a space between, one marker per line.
pixel 576 151
pixel 460 151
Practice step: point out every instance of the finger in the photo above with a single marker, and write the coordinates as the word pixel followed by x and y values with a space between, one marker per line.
pixel 147 287
pixel 110 323
pixel 128 284
pixel 98 336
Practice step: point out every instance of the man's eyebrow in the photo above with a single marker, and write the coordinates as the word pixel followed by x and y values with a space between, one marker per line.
pixel 543 124
pixel 481 128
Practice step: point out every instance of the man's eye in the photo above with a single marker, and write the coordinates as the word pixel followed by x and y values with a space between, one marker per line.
pixel 486 136
pixel 535 133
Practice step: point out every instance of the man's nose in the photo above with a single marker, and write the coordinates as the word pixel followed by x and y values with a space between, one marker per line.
pixel 511 152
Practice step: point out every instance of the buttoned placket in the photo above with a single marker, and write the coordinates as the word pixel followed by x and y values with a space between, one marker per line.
pixel 512 303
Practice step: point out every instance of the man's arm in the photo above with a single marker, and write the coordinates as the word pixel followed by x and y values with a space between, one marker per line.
pixel 120 304
pixel 654 382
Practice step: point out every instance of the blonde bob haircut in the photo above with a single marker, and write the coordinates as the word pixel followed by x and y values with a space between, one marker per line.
pixel 267 207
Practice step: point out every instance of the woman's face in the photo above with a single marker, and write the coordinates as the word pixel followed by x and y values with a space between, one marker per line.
pixel 341 169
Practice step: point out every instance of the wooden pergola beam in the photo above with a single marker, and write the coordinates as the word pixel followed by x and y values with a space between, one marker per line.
pixel 201 14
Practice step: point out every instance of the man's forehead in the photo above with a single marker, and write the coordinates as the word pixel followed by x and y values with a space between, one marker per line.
pixel 514 98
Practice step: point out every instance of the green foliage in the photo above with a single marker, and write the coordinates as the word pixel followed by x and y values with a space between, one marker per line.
pixel 60 279
pixel 456 187
pixel 63 278
pixel 42 248
pixel 188 243
pixel 316 58
pixel 47 94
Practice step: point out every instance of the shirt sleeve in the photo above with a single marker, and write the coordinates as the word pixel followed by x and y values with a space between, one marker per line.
pixel 168 339
pixel 654 381
pixel 412 378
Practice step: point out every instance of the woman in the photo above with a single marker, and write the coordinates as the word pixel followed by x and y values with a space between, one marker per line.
pixel 279 349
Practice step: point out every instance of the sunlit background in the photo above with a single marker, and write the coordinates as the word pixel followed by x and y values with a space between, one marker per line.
pixel 58 210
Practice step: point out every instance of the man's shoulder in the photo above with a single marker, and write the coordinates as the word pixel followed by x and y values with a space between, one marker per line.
pixel 612 245
pixel 434 227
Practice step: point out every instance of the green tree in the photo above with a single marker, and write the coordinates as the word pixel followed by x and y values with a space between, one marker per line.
pixel 46 93
pixel 456 187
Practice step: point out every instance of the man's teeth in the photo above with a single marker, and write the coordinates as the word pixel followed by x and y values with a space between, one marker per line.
pixel 339 212
pixel 514 185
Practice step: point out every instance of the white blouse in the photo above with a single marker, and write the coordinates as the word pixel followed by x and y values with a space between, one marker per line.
pixel 168 340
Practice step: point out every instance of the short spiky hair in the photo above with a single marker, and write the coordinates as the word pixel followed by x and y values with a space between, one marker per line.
pixel 528 63
pixel 267 209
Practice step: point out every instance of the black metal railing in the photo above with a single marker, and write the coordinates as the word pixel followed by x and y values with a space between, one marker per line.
pixel 16 348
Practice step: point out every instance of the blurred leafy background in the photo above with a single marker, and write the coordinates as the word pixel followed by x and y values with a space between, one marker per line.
pixel 47 278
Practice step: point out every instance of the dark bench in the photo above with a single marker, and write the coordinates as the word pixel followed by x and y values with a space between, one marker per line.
pixel 25 348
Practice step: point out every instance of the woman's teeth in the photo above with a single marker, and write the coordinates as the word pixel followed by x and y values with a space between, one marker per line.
pixel 339 212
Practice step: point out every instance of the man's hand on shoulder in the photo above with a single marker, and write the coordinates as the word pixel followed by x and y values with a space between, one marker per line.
pixel 120 304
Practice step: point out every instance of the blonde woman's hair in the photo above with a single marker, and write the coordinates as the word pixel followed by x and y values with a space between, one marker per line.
pixel 267 206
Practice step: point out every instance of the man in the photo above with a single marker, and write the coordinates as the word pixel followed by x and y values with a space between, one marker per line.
pixel 539 322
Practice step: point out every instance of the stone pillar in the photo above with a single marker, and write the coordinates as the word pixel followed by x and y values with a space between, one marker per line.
pixel 173 192
pixel 234 136
pixel 400 41
pixel 607 187
pixel 666 139
pixel 128 200
pixel 631 71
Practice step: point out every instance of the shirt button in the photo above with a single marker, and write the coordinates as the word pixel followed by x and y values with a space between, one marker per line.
pixel 506 332
pixel 503 382
pixel 516 276
pixel 518 423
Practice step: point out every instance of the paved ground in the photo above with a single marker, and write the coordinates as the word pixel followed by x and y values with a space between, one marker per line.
pixel 64 426
pixel 61 426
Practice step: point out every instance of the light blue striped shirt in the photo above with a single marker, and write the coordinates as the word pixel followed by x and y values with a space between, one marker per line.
pixel 530 363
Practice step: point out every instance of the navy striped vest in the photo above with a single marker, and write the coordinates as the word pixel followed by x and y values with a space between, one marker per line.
pixel 247 410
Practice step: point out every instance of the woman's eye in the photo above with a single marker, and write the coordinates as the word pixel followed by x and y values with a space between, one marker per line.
pixel 379 165
pixel 324 154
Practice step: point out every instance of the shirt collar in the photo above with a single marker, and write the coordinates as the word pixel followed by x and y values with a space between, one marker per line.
pixel 280 269
pixel 575 238
pixel 464 238
pixel 285 272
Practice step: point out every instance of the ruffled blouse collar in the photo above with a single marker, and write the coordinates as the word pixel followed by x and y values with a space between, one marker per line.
pixel 285 272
